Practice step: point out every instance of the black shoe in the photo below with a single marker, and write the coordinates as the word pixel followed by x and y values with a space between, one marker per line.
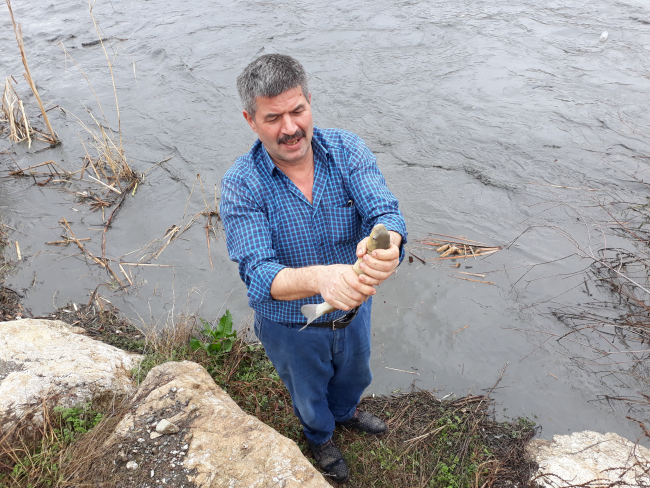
pixel 365 422
pixel 331 460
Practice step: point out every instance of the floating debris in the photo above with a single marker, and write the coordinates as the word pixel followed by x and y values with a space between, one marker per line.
pixel 457 247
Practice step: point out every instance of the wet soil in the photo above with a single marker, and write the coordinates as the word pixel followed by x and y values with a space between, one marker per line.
pixel 105 324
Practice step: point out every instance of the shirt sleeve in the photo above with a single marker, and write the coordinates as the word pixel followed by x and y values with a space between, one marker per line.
pixel 374 200
pixel 248 238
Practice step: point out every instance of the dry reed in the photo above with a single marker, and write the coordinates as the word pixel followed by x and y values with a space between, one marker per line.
pixel 51 137
pixel 14 115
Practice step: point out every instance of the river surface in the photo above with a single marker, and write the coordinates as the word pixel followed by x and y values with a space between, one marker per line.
pixel 473 108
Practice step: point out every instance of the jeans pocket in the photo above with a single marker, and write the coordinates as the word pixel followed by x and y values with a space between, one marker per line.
pixel 257 326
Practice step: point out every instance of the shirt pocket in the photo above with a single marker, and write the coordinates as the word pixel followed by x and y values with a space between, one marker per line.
pixel 344 224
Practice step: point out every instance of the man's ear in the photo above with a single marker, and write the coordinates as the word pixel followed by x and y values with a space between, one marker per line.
pixel 251 120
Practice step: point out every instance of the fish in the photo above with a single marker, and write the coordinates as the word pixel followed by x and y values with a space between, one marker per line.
pixel 379 239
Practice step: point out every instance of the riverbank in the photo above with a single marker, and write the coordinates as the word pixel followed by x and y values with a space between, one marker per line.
pixel 431 442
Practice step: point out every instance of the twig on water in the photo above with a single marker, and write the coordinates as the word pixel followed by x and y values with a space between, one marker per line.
pixel 207 236
pixel 65 242
pixel 12 158
pixel 458 238
pixel 471 274
pixel 192 191
pixel 102 263
pixel 161 162
pixel 402 371
pixel 110 218
pixel 110 67
pixel 565 187
pixel 462 328
pixel 105 185
pixel 475 281
pixel 418 257
pixel 125 275
pixel 459 256
pixel 22 171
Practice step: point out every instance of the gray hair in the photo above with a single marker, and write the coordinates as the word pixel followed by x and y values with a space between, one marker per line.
pixel 268 76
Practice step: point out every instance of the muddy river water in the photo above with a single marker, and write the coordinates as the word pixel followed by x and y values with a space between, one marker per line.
pixel 473 108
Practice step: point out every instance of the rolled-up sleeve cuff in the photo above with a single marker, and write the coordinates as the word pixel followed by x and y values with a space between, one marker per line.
pixel 396 224
pixel 262 277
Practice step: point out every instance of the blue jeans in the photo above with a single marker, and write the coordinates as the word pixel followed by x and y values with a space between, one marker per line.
pixel 325 370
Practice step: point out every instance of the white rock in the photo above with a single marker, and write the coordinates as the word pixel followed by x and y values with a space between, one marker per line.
pixel 218 429
pixel 604 36
pixel 46 358
pixel 154 435
pixel 132 465
pixel 166 427
pixel 584 457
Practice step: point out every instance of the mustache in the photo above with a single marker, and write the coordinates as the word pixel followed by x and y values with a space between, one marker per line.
pixel 297 135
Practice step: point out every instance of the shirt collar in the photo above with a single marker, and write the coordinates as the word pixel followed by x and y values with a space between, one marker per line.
pixel 320 152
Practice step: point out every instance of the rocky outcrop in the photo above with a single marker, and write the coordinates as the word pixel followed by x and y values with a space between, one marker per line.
pixel 590 457
pixel 183 430
pixel 50 360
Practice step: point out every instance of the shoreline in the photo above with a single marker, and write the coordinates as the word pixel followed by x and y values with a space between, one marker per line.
pixel 441 442
pixel 469 437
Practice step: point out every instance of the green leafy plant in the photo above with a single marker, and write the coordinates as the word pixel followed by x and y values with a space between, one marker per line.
pixel 75 421
pixel 446 477
pixel 220 339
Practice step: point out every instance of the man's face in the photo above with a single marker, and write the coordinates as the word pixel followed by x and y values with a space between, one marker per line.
pixel 284 125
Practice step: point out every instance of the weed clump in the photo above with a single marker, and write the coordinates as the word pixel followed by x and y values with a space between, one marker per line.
pixel 38 456
pixel 432 443
pixel 103 323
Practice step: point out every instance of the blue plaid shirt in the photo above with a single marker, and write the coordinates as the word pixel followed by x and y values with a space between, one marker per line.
pixel 270 224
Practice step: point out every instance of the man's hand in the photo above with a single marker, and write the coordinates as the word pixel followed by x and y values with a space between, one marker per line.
pixel 342 288
pixel 381 263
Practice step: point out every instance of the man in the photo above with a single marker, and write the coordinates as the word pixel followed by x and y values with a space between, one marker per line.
pixel 296 209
